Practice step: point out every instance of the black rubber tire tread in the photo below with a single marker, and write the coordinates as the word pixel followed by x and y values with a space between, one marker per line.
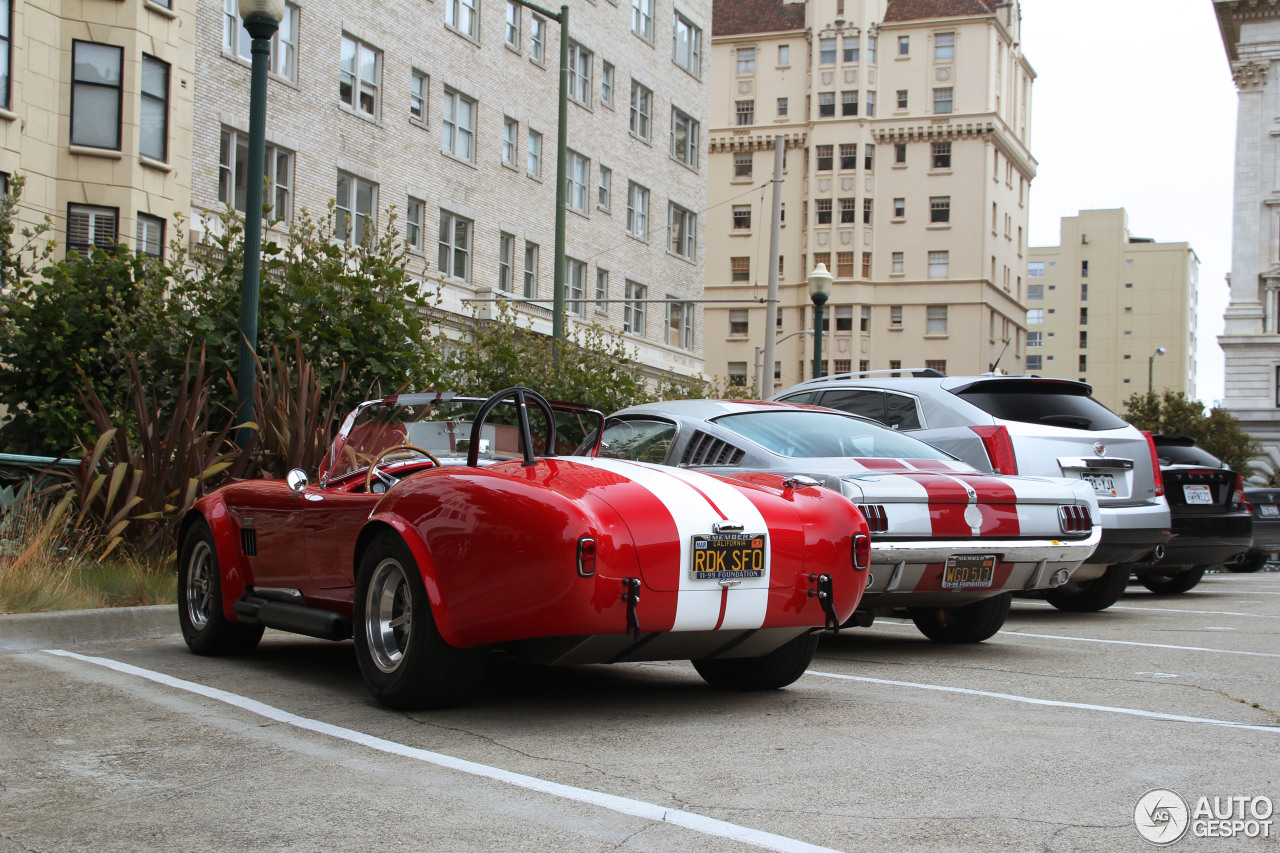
pixel 1091 596
pixel 431 673
pixel 1251 563
pixel 1172 584
pixel 219 635
pixel 971 623
pixel 780 667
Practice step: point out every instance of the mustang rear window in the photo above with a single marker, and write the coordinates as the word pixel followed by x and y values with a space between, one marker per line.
pixel 1063 404
pixel 807 434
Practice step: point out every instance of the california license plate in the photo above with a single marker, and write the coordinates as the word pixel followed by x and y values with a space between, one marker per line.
pixel 727 556
pixel 1103 484
pixel 1269 511
pixel 965 571
pixel 1197 494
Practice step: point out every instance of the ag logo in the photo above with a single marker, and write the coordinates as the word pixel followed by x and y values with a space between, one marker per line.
pixel 1161 816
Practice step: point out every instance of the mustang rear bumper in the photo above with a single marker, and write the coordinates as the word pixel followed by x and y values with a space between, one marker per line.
pixel 909 574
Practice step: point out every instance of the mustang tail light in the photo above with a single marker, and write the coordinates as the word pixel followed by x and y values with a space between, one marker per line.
pixel 1155 463
pixel 586 556
pixel 999 447
pixel 877 518
pixel 1075 519
pixel 861 552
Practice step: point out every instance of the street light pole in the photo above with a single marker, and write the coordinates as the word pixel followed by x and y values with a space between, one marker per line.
pixel 760 371
pixel 819 290
pixel 261 20
pixel 1151 368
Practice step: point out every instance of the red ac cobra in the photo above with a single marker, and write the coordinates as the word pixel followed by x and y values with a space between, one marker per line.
pixel 435 533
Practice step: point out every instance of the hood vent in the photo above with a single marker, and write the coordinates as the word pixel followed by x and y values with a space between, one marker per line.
pixel 704 449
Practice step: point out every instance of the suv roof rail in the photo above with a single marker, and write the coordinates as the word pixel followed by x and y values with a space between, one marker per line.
pixel 916 373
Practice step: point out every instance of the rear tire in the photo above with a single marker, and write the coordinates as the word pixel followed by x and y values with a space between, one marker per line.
pixel 778 668
pixel 1091 596
pixel 205 627
pixel 970 623
pixel 406 664
pixel 1251 563
pixel 1173 583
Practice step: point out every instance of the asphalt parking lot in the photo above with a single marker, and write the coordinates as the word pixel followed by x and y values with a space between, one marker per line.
pixel 1042 738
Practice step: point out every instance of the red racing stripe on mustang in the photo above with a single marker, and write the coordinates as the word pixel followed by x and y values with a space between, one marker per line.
pixel 883 464
pixel 999 503
pixel 948 499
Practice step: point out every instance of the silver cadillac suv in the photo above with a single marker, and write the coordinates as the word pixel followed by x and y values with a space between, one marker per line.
pixel 1027 425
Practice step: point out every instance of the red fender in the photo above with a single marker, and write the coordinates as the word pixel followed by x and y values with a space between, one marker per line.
pixel 426 568
pixel 234 571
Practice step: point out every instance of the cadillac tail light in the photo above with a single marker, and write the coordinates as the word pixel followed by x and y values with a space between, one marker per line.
pixel 1075 519
pixel 877 518
pixel 586 556
pixel 861 552
pixel 1155 463
pixel 999 447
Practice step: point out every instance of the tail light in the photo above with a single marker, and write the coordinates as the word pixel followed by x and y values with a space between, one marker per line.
pixel 1155 463
pixel 586 556
pixel 1075 519
pixel 999 447
pixel 877 518
pixel 861 552
pixel 1237 499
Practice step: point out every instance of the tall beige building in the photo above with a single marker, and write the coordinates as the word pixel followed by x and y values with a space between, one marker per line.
pixel 906 128
pixel 1102 305
pixel 447 111
pixel 95 111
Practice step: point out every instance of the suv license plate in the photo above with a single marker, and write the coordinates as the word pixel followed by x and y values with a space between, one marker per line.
pixel 1103 484
pixel 1197 494
pixel 727 556
pixel 965 571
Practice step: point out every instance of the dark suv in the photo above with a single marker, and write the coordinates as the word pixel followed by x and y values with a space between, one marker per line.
pixel 1028 425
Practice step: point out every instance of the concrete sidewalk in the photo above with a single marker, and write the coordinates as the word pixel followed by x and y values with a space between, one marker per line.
pixel 61 629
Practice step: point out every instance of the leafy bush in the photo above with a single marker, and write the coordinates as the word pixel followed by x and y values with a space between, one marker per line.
pixel 1217 431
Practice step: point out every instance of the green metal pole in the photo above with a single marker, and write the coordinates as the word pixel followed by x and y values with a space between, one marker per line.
pixel 819 300
pixel 261 28
pixel 562 166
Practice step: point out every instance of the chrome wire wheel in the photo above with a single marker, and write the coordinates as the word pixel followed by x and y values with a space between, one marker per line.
pixel 199 598
pixel 388 615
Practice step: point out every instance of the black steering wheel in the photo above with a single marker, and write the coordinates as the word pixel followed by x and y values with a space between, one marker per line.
pixel 522 398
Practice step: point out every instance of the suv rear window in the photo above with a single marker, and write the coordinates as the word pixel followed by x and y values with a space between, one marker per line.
pixel 1037 401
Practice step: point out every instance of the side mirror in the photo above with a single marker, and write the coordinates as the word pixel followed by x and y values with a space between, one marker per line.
pixel 296 480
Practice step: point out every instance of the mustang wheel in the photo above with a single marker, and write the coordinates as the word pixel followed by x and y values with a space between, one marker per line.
pixel 1174 582
pixel 777 669
pixel 405 661
pixel 971 623
pixel 1251 563
pixel 204 626
pixel 1093 595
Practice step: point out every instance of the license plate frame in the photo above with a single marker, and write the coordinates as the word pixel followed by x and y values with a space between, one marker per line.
pixel 727 556
pixel 969 571
pixel 1203 495
pixel 1103 484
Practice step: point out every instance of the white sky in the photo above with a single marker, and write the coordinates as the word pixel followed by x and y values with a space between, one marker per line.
pixel 1134 107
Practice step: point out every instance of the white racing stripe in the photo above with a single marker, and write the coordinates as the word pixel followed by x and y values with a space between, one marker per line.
pixel 698 602
pixel 622 805
pixel 1030 700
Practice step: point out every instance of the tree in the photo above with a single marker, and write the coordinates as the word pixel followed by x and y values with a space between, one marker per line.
pixel 1218 432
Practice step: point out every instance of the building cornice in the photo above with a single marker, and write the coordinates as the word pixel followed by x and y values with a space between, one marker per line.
pixel 941 130
pixel 1232 13
pixel 748 140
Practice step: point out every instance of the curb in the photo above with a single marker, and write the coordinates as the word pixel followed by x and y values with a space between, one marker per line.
pixel 25 631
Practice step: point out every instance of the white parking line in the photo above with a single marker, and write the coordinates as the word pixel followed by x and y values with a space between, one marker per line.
pixel 1170 610
pixel 1030 700
pixel 623 805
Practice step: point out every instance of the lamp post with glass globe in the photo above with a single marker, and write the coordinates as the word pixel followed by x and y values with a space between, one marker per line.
pixel 819 290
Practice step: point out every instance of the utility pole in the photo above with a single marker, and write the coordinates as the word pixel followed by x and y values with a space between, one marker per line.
pixel 764 387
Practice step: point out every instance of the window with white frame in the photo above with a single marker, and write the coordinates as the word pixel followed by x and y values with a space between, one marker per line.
pixel 530 270
pixel 150 236
pixel 682 225
pixel 899 262
pixel 506 261
pixel 419 84
pixel 575 286
pixel 414 209
pixel 687 44
pixel 826 104
pixel 602 291
pixel 641 110
pixel 462 17
pixel 939 264
pixel 1035 316
pixel 684 137
pixel 642 18
pixel 944 47
pixel 153 116
pixel 827 51
pixel 233 175
pixel 510 140
pixel 784 54
pixel 849 103
pixel 745 112
pixel 783 107
pixel 637 211
pixel 236 40
pixel 576 175
pixel 743 165
pixel 459 125
pixel 1036 362
pixel 844 315
pixel 679 323
pixel 455 246
pixel 580 74
pixel 606 83
pixel 1035 339
pixel 871 48
pixel 870 103
pixel 895 315
pixel 360 78
pixel 738 374
pixel 940 208
pixel 1035 292
pixel 633 311
pixel 96 94
pixel 746 60
pixel 90 227
pixel 6 56
pixel 942 100
pixel 513 25
pixel 936 320
pixel 941 152
pixel 852 47
pixel 742 217
pixel 739 322
pixel 537 39
pixel 1035 269
pixel 533 164
pixel 604 188
pixel 356 209
pixel 902 99
pixel 904 45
